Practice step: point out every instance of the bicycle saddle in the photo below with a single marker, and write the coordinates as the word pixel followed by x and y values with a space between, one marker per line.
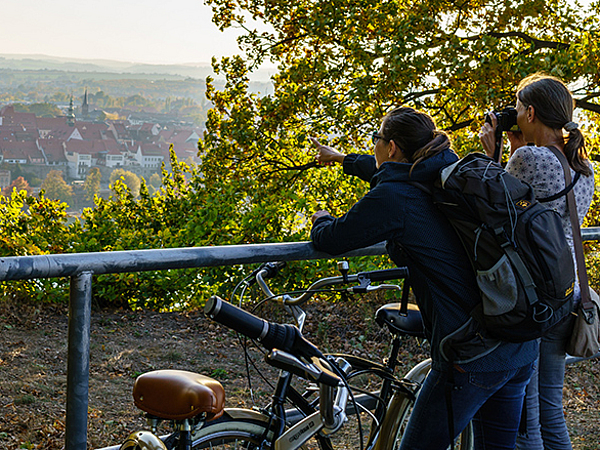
pixel 410 324
pixel 178 395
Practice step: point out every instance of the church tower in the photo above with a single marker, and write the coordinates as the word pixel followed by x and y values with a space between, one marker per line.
pixel 71 114
pixel 85 108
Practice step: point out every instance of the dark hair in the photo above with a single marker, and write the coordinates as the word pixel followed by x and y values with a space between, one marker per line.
pixel 415 133
pixel 554 106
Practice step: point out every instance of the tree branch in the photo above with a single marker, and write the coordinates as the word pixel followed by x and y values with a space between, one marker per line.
pixel 535 43
pixel 589 96
pixel 285 168
pixel 588 106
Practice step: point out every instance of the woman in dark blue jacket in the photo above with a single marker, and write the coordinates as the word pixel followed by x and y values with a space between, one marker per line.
pixel 485 378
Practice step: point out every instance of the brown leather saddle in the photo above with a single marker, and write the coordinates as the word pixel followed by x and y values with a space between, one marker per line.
pixel 178 395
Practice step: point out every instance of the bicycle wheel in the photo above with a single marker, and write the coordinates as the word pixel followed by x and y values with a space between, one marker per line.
pixel 241 429
pixel 236 429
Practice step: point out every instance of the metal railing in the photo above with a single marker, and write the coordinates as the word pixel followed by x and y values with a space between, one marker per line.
pixel 81 266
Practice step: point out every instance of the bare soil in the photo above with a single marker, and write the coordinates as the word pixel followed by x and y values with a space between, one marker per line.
pixel 124 344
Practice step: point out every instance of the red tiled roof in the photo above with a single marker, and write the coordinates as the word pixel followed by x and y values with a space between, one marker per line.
pixel 90 130
pixel 54 150
pixel 62 132
pixel 147 126
pixel 86 147
pixel 10 117
pixel 179 136
pixel 151 150
pixel 50 123
pixel 132 146
pixel 22 150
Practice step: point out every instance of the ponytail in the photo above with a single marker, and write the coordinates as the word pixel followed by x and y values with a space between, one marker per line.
pixel 414 132
pixel 554 106
pixel 440 142
pixel 575 150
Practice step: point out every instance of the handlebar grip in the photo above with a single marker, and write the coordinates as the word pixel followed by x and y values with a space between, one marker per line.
pixel 387 274
pixel 236 318
pixel 271 335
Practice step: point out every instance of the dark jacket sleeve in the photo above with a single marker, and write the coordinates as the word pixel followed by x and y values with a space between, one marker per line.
pixel 368 222
pixel 361 166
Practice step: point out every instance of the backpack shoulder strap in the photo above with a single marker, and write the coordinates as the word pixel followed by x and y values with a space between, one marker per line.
pixel 565 191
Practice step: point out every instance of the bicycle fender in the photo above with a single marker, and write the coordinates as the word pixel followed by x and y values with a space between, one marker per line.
pixel 246 414
pixel 399 407
pixel 418 373
pixel 395 415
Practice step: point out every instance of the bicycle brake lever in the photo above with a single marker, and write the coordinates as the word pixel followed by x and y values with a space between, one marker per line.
pixel 362 287
pixel 368 288
pixel 314 371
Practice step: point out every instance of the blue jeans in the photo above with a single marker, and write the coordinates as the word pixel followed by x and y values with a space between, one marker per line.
pixel 546 427
pixel 493 400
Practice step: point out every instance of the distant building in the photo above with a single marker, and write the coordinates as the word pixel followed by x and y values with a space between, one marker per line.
pixel 85 107
pixel 71 114
pixel 4 179
pixel 74 146
pixel 21 152
pixel 54 149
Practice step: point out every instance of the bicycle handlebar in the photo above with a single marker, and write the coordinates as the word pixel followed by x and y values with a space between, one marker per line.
pixel 383 275
pixel 271 335
pixel 363 278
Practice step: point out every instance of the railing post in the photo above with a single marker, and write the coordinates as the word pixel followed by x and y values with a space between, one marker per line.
pixel 78 360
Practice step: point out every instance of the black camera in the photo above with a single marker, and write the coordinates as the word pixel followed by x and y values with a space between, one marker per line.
pixel 507 119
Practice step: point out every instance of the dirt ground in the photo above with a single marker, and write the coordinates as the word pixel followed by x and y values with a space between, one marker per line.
pixel 33 349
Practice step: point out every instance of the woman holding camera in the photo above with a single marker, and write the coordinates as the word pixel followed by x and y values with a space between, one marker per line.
pixel 488 387
pixel 545 118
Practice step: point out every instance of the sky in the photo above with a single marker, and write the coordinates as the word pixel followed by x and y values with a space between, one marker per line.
pixel 148 31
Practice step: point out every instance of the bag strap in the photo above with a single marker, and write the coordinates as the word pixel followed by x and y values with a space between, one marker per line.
pixel 586 302
pixel 565 191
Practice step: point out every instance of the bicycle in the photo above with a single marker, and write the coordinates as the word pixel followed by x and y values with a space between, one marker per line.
pixel 194 403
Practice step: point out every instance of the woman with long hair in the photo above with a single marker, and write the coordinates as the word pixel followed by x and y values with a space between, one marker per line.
pixel 545 118
pixel 489 386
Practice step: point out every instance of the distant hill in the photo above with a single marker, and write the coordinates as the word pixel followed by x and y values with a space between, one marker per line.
pixel 45 62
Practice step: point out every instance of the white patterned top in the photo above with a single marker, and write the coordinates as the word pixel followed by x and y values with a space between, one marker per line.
pixel 540 168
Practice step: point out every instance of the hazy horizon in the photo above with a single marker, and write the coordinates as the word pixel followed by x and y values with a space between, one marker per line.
pixel 154 32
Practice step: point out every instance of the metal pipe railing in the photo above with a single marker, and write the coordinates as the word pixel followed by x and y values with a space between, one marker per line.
pixel 78 360
pixel 81 266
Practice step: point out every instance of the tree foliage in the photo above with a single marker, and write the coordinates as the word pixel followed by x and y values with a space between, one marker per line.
pixel 18 184
pixel 129 179
pixel 34 226
pixel 340 67
pixel 91 185
pixel 45 109
pixel 56 188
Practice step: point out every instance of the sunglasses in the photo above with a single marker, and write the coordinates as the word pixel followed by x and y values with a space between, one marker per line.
pixel 375 137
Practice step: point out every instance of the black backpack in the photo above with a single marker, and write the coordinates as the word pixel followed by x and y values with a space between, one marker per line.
pixel 517 247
